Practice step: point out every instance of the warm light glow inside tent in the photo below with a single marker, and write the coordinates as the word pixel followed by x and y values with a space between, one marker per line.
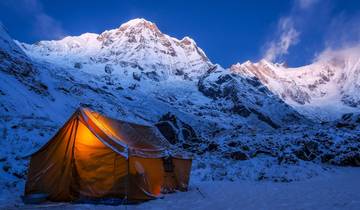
pixel 93 156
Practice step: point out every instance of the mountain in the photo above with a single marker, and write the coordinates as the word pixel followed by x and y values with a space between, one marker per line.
pixel 236 122
pixel 137 43
pixel 138 56
pixel 13 61
pixel 325 89
pixel 247 97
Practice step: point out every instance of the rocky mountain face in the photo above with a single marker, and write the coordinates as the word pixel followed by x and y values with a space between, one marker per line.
pixel 13 61
pixel 138 56
pixel 325 89
pixel 137 45
pixel 246 97
pixel 239 123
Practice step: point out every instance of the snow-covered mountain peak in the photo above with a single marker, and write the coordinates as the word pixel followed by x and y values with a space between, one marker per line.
pixel 187 41
pixel 136 21
pixel 139 23
pixel 136 30
pixel 137 45
pixel 324 89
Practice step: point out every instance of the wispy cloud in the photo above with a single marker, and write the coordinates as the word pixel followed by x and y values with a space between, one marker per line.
pixel 343 31
pixel 334 30
pixel 288 31
pixel 43 25
pixel 306 4
pixel 47 26
pixel 288 37
pixel 342 38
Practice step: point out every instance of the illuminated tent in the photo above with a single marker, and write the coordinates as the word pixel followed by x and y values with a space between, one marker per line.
pixel 96 157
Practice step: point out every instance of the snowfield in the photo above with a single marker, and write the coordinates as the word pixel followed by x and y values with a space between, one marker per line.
pixel 338 189
pixel 263 136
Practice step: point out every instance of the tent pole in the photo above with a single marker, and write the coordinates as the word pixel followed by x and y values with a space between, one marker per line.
pixel 73 167
pixel 127 177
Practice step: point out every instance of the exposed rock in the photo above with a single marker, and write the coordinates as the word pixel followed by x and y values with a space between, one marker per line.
pixel 109 69
pixel 287 158
pixel 186 146
pixel 233 144
pixel 133 86
pixel 6 167
pixel 309 151
pixel 179 72
pixel 78 65
pixel 349 121
pixel 14 61
pixel 212 147
pixel 246 95
pixel 137 44
pixel 349 159
pixel 238 155
pixel 167 129
pixel 241 110
pixel 136 76
pixel 345 125
pixel 254 81
pixel 327 158
pixel 258 152
pixel 175 130
pixel 265 119
pixel 153 75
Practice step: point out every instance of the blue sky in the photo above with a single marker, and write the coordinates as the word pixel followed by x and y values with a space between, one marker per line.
pixel 291 31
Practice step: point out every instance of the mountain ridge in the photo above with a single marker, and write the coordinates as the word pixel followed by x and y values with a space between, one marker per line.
pixel 139 44
pixel 230 120
pixel 326 84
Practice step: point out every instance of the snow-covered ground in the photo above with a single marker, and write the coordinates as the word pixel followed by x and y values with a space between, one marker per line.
pixel 336 189
pixel 252 148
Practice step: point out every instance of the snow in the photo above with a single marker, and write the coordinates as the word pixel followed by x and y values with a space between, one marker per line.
pixel 148 82
pixel 323 90
pixel 136 43
pixel 334 190
pixel 135 21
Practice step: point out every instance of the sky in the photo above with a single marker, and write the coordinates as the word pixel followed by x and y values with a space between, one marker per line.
pixel 290 31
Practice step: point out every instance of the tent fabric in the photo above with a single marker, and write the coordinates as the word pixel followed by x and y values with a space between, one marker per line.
pixel 141 140
pixel 93 157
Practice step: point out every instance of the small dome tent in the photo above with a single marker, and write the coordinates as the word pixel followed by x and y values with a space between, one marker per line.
pixel 97 157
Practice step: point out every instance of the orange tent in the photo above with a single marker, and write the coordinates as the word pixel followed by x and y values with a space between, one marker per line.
pixel 96 157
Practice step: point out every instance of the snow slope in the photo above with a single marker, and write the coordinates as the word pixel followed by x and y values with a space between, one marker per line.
pixel 325 89
pixel 137 43
pixel 240 127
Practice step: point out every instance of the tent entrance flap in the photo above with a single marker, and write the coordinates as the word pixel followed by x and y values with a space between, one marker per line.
pixel 100 170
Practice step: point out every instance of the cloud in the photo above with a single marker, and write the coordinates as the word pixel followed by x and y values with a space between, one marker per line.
pixel 339 55
pixel 287 33
pixel 42 24
pixel 288 37
pixel 343 31
pixel 321 26
pixel 342 39
pixel 47 26
pixel 306 4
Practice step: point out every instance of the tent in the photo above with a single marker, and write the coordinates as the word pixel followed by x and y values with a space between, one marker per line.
pixel 97 157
